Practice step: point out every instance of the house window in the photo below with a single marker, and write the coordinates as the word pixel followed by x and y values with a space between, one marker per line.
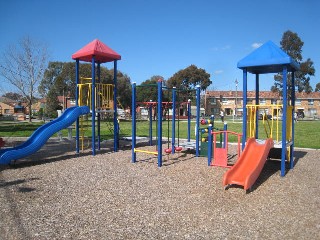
pixel 310 102
pixel 7 111
pixel 262 101
pixel 298 102
pixel 212 101
pixel 274 101
pixel 225 101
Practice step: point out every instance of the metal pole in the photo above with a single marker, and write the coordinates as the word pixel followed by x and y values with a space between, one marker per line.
pixel 115 114
pixel 77 104
pixel 173 120
pixel 189 119
pixel 244 109
pixel 133 112
pixel 150 123
pixel 93 108
pixel 197 120
pixel 284 122
pixel 159 123
pixel 293 102
pixel 210 144
pixel 99 105
pixel 257 109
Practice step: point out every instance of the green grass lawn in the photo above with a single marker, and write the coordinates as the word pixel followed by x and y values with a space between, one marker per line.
pixel 307 133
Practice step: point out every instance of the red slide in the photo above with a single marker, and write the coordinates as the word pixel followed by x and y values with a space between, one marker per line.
pixel 248 167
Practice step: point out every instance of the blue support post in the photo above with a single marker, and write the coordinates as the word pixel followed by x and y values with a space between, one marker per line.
pixel 159 123
pixel 150 124
pixel 197 120
pixel 244 111
pixel 134 124
pixel 173 137
pixel 257 109
pixel 115 114
pixel 284 121
pixel 77 104
pixel 99 135
pixel 293 102
pixel 93 108
pixel 189 119
pixel 210 144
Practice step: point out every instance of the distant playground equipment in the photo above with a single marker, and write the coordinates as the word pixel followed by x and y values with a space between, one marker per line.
pixel 217 151
pixel 160 106
pixel 91 92
pixel 269 58
pixel 220 153
pixel 205 135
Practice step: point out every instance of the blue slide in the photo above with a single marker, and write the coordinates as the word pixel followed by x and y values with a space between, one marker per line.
pixel 42 134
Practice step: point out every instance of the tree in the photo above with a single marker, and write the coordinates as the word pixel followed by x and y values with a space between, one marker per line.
pixel 187 79
pixel 13 96
pixel 292 45
pixel 124 89
pixel 60 79
pixel 23 66
pixel 51 74
pixel 317 89
pixel 150 91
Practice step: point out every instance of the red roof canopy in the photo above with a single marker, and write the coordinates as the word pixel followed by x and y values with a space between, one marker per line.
pixel 99 50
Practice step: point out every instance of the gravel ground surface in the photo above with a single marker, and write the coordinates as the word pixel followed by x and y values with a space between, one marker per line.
pixel 55 194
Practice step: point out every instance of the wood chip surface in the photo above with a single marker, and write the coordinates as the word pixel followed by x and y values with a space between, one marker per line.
pixel 57 194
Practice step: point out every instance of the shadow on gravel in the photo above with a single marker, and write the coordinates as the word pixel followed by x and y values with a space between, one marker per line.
pixel 53 152
pixel 4 184
pixel 273 166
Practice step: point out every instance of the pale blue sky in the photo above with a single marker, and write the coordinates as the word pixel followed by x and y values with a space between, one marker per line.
pixel 161 37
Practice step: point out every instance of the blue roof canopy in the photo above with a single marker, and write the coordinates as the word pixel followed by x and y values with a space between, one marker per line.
pixel 268 58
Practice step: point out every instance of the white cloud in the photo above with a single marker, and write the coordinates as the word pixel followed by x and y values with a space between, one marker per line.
pixel 256 45
pixel 224 48
pixel 218 72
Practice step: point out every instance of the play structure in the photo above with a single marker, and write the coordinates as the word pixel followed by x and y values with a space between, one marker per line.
pixel 98 96
pixel 215 144
pixel 160 105
pixel 280 134
pixel 41 135
pixel 91 97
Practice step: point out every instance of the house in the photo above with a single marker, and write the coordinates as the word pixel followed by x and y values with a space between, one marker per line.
pixel 6 108
pixel 9 107
pixel 231 102
pixel 66 102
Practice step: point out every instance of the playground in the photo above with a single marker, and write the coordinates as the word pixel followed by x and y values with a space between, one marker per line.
pixel 53 194
pixel 165 187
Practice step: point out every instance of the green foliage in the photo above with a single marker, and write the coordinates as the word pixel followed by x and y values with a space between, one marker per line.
pixel 292 45
pixel 124 88
pixel 60 79
pixel 317 89
pixel 149 91
pixel 189 78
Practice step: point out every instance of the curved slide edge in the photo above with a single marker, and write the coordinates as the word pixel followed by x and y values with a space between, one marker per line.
pixel 42 134
pixel 249 166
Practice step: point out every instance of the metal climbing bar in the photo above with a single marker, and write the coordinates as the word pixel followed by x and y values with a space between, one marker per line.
pixel 145 151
